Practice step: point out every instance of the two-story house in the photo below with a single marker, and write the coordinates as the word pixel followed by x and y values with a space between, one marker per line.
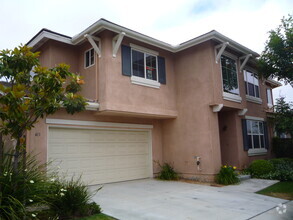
pixel 153 102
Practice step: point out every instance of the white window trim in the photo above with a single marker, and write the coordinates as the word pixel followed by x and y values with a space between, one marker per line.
pixel 254 118
pixel 253 99
pixel 257 151
pixel 232 97
pixel 144 81
pixel 144 50
pixel 226 95
pixel 89 57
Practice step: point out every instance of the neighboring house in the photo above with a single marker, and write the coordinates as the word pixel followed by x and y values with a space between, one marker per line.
pixel 153 102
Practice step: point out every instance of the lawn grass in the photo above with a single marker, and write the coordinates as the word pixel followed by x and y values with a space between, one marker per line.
pixel 100 216
pixel 283 190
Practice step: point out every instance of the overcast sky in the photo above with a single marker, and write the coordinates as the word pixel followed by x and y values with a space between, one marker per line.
pixel 172 21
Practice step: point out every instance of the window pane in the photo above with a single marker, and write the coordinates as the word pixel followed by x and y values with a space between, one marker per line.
pixel 151 67
pixel 256 141
pixel 256 91
pixel 92 57
pixel 262 142
pixel 261 128
pixel 255 127
pixel 250 89
pixel 229 75
pixel 137 63
pixel 269 96
pixel 87 59
pixel 250 77
pixel 248 125
pixel 250 141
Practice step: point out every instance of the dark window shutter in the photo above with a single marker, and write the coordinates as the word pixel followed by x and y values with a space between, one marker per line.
pixel 245 136
pixel 162 70
pixel 266 134
pixel 126 60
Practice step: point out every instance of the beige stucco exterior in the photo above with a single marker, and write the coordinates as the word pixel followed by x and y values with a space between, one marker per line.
pixel 180 111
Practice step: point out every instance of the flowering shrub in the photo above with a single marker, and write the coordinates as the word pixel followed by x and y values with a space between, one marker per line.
pixel 69 199
pixel 227 175
pixel 21 189
pixel 23 194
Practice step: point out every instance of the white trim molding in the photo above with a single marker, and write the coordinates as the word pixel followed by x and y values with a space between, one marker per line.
pixel 92 106
pixel 253 99
pixel 221 51
pixel 246 57
pixel 144 50
pixel 145 82
pixel 257 151
pixel 242 112
pixel 116 42
pixel 232 97
pixel 254 118
pixel 96 123
pixel 217 107
pixel 92 40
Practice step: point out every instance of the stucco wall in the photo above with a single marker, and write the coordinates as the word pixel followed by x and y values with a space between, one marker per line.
pixel 195 131
pixel 117 93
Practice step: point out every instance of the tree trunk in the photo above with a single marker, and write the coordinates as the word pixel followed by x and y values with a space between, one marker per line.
pixel 16 156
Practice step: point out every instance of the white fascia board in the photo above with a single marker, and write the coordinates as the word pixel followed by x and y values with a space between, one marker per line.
pixel 274 83
pixel 102 24
pixel 47 35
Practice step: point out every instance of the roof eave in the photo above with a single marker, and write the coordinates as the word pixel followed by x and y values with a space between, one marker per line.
pixel 273 83
pixel 103 24
pixel 44 35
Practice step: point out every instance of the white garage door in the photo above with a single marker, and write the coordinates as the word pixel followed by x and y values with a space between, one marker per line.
pixel 101 156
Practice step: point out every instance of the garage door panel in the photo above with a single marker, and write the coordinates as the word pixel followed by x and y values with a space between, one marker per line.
pixel 100 156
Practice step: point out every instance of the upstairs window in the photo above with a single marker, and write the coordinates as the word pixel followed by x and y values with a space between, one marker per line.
pixel 229 75
pixel 144 65
pixel 89 58
pixel 251 84
pixel 269 97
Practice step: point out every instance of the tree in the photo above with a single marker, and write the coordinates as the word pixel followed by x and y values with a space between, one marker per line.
pixel 283 117
pixel 277 58
pixel 32 93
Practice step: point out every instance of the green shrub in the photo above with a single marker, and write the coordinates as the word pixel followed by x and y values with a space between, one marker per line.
pixel 167 172
pixel 70 199
pixel 260 167
pixel 20 189
pixel 283 147
pixel 227 175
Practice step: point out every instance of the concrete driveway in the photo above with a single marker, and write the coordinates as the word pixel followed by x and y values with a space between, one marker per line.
pixel 153 199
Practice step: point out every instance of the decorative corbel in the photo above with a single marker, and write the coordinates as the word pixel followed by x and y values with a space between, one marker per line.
pixel 116 42
pixel 221 51
pixel 246 57
pixel 92 40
